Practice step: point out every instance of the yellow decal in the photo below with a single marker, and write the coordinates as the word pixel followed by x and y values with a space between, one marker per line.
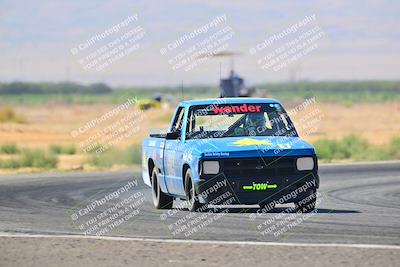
pixel 252 142
pixel 286 146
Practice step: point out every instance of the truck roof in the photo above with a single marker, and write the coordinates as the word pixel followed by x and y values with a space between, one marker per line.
pixel 228 100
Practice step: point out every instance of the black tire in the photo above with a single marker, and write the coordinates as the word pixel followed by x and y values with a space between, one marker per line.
pixel 191 194
pixel 160 199
pixel 267 206
pixel 307 204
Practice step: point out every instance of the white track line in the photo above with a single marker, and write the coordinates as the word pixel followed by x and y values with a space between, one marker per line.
pixel 360 163
pixel 115 238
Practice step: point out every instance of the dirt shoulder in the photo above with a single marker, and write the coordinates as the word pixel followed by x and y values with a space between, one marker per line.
pixel 64 251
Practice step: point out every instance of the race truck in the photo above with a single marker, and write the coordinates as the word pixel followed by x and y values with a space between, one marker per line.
pixel 230 151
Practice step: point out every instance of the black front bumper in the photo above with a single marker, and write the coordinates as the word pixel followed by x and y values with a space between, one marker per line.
pixel 242 181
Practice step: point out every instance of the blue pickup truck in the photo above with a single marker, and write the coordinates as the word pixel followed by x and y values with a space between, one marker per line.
pixel 244 148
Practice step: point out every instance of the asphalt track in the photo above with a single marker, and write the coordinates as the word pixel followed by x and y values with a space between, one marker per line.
pixel 359 205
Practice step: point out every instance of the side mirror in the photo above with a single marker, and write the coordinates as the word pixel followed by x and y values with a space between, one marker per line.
pixel 173 135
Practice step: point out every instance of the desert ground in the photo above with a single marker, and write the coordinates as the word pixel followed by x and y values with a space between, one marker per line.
pixel 65 124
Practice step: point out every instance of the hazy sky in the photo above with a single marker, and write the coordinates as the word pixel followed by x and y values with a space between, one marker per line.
pixel 360 39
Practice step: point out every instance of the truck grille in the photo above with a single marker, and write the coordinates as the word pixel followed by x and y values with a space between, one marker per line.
pixel 259 167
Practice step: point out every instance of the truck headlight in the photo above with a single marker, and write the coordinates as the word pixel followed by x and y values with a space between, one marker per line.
pixel 305 164
pixel 210 167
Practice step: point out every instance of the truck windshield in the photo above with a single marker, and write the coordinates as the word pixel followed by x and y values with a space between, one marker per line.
pixel 235 120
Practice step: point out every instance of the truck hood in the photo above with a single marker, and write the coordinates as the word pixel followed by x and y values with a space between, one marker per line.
pixel 251 146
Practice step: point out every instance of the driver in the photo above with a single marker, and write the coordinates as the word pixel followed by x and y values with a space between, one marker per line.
pixel 255 123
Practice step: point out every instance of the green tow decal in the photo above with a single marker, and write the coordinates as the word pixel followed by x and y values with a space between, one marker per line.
pixel 259 186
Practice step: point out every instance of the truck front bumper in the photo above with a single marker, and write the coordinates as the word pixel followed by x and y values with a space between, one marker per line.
pixel 220 190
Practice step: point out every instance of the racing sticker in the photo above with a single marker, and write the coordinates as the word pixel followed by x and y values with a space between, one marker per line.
pixel 187 156
pixel 259 186
pixel 237 109
pixel 252 142
pixel 284 146
pixel 170 162
pixel 216 154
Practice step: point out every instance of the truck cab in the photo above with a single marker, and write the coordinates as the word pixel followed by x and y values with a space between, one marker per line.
pixel 244 148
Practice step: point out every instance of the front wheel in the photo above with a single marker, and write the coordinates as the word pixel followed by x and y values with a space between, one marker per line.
pixel 191 196
pixel 160 199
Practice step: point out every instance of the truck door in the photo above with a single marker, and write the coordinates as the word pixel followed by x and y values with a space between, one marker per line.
pixel 173 152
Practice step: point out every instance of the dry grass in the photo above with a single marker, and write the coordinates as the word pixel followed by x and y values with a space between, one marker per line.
pixel 7 114
pixel 377 123
pixel 53 125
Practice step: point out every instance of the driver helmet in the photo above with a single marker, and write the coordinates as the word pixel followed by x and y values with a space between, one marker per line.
pixel 255 122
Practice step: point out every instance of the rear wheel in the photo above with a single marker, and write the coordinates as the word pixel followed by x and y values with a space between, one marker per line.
pixel 191 196
pixel 307 204
pixel 160 199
